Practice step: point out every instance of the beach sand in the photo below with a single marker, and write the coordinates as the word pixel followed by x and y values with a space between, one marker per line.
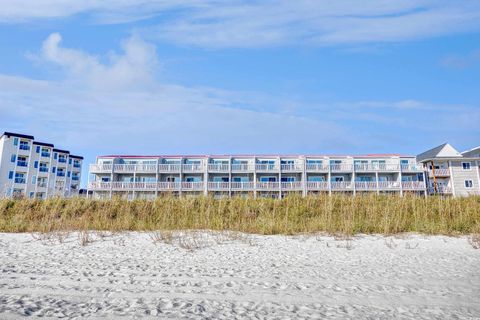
pixel 235 276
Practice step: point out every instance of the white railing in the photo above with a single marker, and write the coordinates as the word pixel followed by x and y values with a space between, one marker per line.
pixel 243 167
pixel 341 167
pixel 441 189
pixel 440 172
pixel 195 186
pixel 267 185
pixel 244 185
pixel 317 167
pixel 218 185
pixel 317 185
pixel 291 167
pixel 100 168
pixel 413 185
pixel 365 185
pixel 215 167
pixel 266 167
pixel 168 185
pixel 341 185
pixel 197 167
pixel 293 185
pixel 411 168
pixel 377 167
pixel 169 167
pixel 388 185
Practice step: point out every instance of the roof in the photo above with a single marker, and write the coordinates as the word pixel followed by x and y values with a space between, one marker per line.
pixel 444 151
pixel 61 151
pixel 18 135
pixel 43 144
pixel 474 152
pixel 254 155
pixel 76 157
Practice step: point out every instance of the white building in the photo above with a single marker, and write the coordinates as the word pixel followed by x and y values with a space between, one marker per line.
pixel 35 169
pixel 256 175
pixel 451 172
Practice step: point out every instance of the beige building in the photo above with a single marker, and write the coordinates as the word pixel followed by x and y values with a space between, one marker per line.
pixel 450 172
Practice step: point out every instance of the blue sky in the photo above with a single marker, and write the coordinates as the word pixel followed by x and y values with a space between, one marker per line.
pixel 214 77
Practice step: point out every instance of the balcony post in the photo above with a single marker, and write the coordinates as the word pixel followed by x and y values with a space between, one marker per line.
pixel 254 177
pixel 49 167
pixel 181 177
pixel 28 171
pixel 157 161
pixel 279 178
pixel 230 177
pixel 400 177
pixel 376 181
pixel 329 177
pixel 451 177
pixel 354 177
pixel 205 176
pixel 304 177
pixel 111 178
pixel 425 191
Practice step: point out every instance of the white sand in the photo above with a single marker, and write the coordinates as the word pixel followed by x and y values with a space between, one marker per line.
pixel 237 277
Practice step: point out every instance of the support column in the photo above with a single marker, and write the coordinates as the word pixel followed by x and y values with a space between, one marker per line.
pixel 279 178
pixel 329 177
pixel 254 177
pixel 230 177
pixel 111 178
pixel 376 180
pixel 451 177
pixel 304 177
pixel 205 177
pixel 353 178
pixel 156 177
pixel 400 176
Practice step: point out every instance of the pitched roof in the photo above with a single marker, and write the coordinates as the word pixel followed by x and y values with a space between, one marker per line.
pixel 474 152
pixel 442 151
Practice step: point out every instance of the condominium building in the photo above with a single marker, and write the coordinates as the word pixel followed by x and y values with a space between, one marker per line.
pixel 135 177
pixel 450 172
pixel 34 169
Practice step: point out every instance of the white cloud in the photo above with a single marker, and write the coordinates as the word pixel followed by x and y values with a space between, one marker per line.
pixel 234 23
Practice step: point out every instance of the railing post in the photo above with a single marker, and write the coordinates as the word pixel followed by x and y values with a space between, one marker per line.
pixel 279 178
pixel 329 177
pixel 304 177
pixel 254 177
pixel 400 177
pixel 353 177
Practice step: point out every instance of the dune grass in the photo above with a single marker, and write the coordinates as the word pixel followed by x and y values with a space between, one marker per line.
pixel 337 214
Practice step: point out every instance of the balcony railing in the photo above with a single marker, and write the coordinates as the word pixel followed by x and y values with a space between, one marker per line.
pixel 169 167
pixel 377 167
pixel 444 172
pixel 268 185
pixel 293 185
pixel 243 185
pixel 97 168
pixel 317 167
pixel 218 167
pixel 169 186
pixel 365 185
pixel 243 167
pixel 294 167
pixel 143 168
pixel 441 189
pixel 41 184
pixel 341 185
pixel 194 186
pixel 218 185
pixel 197 167
pixel 388 185
pixel 341 167
pixel 266 167
pixel 317 185
pixel 62 160
pixel 22 163
pixel 413 185
pixel 411 168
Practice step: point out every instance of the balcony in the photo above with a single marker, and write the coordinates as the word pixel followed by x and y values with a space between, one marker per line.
pixel 62 160
pixel 244 185
pixel 341 185
pixel 192 186
pixel 243 167
pixel 25 147
pixel 444 172
pixel 441 189
pixel 293 185
pixel 60 174
pixel 377 167
pixel 45 154
pixel 169 186
pixel 218 167
pixel 41 184
pixel 100 168
pixel 268 186
pixel 130 168
pixel 317 167
pixel 75 178
pixel 195 167
pixel 413 185
pixel 291 167
pixel 341 167
pixel 22 163
pixel 169 168
pixel 266 167
pixel 218 185
pixel 77 165
pixel 43 169
pixel 317 185
pixel 365 185
pixel 388 185
pixel 20 180
pixel 410 168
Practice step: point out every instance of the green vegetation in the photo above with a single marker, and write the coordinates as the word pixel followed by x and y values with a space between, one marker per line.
pixel 336 214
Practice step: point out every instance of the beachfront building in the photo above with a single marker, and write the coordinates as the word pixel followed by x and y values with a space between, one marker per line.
pixel 34 169
pixel 450 172
pixel 134 177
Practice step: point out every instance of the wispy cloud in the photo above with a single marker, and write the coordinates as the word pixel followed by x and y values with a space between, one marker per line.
pixel 233 23
pixel 462 62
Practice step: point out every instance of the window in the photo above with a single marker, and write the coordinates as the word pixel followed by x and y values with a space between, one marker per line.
pixel 13 157
pixel 468 184
pixel 55 155
pixel 288 179
pixel 34 179
pixel 10 175
pixel 37 149
pixel 53 169
pixel 268 179
pixel 316 178
pixel 466 165
pixel 68 174
pixel 337 179
pixel 105 179
pixel 15 141
pixel 35 164
pixel 69 161
pixel 32 195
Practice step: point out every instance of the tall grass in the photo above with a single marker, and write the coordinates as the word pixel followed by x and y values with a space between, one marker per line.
pixel 292 215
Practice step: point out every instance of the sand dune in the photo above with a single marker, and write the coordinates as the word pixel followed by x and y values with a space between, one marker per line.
pixel 234 276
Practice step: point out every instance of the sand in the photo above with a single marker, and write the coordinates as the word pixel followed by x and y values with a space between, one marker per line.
pixel 235 276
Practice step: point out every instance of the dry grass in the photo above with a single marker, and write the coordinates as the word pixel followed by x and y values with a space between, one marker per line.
pixel 337 214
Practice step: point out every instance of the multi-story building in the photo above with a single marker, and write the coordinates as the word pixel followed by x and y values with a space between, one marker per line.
pixel 450 172
pixel 33 169
pixel 256 175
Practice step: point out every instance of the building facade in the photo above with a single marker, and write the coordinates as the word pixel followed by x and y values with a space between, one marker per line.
pixel 34 169
pixel 134 177
pixel 450 172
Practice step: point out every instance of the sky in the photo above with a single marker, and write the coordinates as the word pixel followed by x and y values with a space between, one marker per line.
pixel 229 76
